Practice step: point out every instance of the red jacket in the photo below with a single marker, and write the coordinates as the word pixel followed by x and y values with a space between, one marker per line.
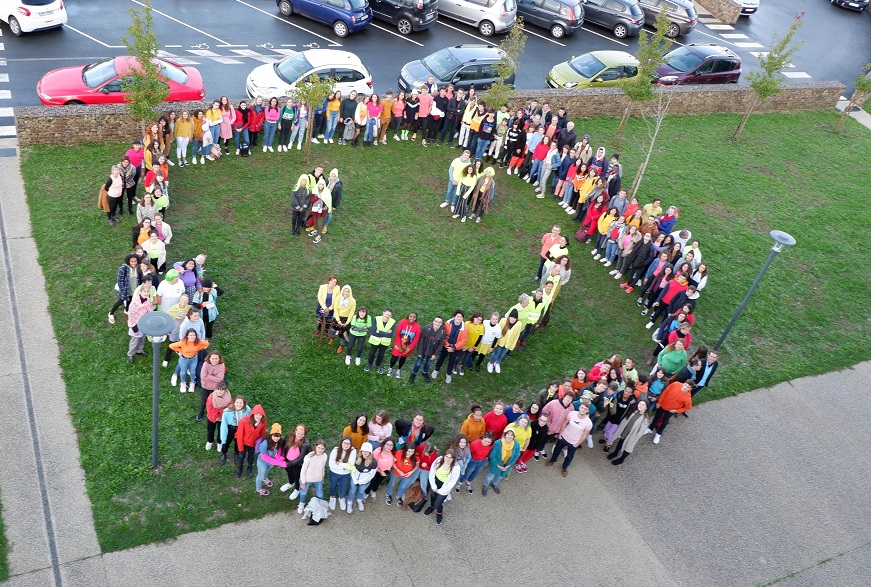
pixel 425 461
pixel 687 340
pixel 496 424
pixel 461 337
pixel 669 291
pixel 479 451
pixel 406 338
pixel 247 434
pixel 255 119
pixel 212 413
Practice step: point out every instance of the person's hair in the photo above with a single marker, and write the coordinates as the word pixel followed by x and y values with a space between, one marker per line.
pixel 614 386
pixel 691 383
pixel 537 405
pixel 428 448
pixel 364 310
pixel 694 362
pixel 342 454
pixel 453 454
pixel 131 256
pixel 196 336
pixel 364 460
pixel 616 362
pixel 244 401
pixel 152 232
pixel 365 428
pixel 290 439
pixel 209 356
pixel 251 418
pixel 385 419
pixel 489 434
pixel 701 353
pixel 476 315
pixel 193 311
pixel 558 261
pixel 509 430
pixel 319 442
pixel 498 402
pixel 570 394
pixel 475 408
pixel 272 444
pixel 455 442
pixel 519 402
pixel 221 385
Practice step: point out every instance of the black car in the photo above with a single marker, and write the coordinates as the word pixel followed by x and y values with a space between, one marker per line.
pixel 465 66
pixel 406 15
pixel 857 5
pixel 561 17
pixel 624 17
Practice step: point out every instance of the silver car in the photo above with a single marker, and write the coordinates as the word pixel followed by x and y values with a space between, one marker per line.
pixel 490 16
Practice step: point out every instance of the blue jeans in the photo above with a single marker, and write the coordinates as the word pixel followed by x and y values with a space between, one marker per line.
pixel 481 148
pixel 498 354
pixel 298 131
pixel 339 485
pixel 611 251
pixel 186 365
pixel 262 472
pixel 472 469
pixel 319 490
pixel 196 148
pixel 332 123
pixel 404 483
pixel 371 129
pixel 567 192
pixel 492 479
pixel 423 477
pixel 451 193
pixel 241 134
pixel 269 129
pixel 422 360
pixel 536 169
pixel 216 133
pixel 357 491
pixel 570 454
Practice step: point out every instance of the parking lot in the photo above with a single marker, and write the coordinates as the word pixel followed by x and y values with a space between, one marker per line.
pixel 226 39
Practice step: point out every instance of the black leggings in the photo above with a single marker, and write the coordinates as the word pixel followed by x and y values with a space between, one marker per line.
pixel 115 204
pixel 374 349
pixel 437 500
pixel 293 473
pixel 394 359
pixel 204 395
pixel 355 341
pixel 118 303
pixel 376 482
pixel 298 220
pixel 211 427
pixel 131 199
pixel 284 133
pixel 231 437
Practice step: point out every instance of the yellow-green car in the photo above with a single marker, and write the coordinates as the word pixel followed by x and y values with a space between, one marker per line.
pixel 593 70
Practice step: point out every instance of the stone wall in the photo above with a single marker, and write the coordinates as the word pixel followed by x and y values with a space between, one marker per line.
pixel 727 11
pixel 73 125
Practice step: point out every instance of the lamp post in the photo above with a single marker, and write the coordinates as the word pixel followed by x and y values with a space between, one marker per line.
pixel 155 325
pixel 781 239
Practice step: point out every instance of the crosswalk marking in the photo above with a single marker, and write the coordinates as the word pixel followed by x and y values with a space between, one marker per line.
pixel 796 74
pixel 7 131
pixel 5 95
pixel 4 78
pixel 720 27
pixel 734 36
pixel 7 112
pixel 749 45
pixel 203 52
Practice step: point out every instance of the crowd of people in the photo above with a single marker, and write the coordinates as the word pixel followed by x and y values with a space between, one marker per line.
pixel 642 244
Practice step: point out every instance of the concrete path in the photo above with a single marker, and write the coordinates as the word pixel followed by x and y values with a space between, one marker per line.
pixel 770 486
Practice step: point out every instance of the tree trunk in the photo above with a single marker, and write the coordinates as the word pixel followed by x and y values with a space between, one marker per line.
pixel 740 130
pixel 622 126
pixel 854 100
pixel 309 125
pixel 639 175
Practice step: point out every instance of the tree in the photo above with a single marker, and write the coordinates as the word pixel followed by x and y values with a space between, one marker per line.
pixel 511 46
pixel 651 50
pixel 861 91
pixel 145 87
pixel 658 105
pixel 769 81
pixel 314 91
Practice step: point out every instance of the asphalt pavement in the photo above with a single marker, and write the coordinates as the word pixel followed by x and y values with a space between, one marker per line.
pixel 226 39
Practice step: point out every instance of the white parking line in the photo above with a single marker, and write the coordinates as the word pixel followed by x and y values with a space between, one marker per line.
pixel 4 78
pixel 395 34
pixel 759 54
pixel 720 27
pixel 256 56
pixel 7 131
pixel 460 31
pixel 605 37
pixel 529 32
pixel 287 22
pixel 734 36
pixel 749 45
pixel 5 94
pixel 75 30
pixel 11 111
pixel 716 38
pixel 172 18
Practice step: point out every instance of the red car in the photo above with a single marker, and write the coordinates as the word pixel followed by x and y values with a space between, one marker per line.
pixel 100 83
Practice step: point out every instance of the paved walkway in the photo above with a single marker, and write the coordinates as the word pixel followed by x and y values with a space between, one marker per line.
pixel 772 485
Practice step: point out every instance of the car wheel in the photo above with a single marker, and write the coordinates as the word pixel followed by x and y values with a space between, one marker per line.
pixel 672 31
pixel 74 103
pixel 285 8
pixel 15 26
pixel 340 28
pixel 404 26
pixel 486 28
pixel 557 31
pixel 620 31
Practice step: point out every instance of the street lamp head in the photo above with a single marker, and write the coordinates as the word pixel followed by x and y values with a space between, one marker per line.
pixel 156 324
pixel 781 239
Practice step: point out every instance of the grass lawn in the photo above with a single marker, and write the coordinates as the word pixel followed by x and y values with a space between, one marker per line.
pixel 4 552
pixel 396 247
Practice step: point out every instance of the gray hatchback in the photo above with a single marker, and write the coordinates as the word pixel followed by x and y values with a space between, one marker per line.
pixel 682 15
pixel 623 17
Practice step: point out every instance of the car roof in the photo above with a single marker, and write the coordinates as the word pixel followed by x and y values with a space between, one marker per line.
pixel 709 49
pixel 321 57
pixel 473 52
pixel 611 58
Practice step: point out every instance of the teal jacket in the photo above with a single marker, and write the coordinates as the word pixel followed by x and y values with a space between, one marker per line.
pixel 496 458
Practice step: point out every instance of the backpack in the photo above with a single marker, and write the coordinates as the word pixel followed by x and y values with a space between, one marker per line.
pixel 244 149
pixel 350 129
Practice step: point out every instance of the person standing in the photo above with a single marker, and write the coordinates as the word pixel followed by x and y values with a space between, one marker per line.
pixel 385 460
pixel 547 241
pixel 404 343
pixel 380 339
pixel 432 339
pixel 412 432
pixel 328 296
pixel 574 430
pixel 359 327
pixel 455 174
pixel 230 420
pixel 212 374
pixel 674 399
pixel 269 454
pixel 364 470
pixel 495 420
pixel 128 279
pixel 474 425
pixel 631 430
pixel 300 200
pixel 296 447
pixel 341 462
pixel 311 474
pixel 139 306
pixel 216 403
pixel 456 335
pixel 505 453
pixel 443 476
pixel 480 457
pixel 249 431
pixel 207 300
pixel 709 367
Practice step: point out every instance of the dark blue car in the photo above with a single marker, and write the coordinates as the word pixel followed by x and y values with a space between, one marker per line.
pixel 345 16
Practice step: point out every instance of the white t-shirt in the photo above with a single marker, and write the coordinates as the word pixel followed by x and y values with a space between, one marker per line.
pixel 169 293
pixel 577 425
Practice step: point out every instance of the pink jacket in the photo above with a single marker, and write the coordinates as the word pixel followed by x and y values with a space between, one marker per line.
pixel 137 309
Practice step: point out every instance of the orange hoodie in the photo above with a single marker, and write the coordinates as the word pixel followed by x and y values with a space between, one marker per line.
pixel 473 430
pixel 247 433
pixel 673 398
pixel 187 348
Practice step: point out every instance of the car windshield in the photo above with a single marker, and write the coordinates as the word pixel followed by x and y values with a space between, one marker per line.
pixel 586 65
pixel 36 2
pixel 99 73
pixel 683 60
pixel 292 68
pixel 359 4
pixel 441 63
pixel 172 72
pixel 510 5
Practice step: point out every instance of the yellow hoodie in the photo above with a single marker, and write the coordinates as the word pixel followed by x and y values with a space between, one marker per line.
pixel 343 313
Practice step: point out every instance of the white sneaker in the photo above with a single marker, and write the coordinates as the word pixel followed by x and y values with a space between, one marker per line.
pixel 347 359
pixel 570 211
pixel 209 446
pixel 202 160
pixel 593 252
pixel 332 503
pixel 271 150
pixel 389 371
pixel 589 441
pixel 350 507
pixel 343 504
pixel 497 368
pixel 299 146
pixel 360 504
pixel 508 171
pixel 237 151
pixel 173 380
pixel 182 387
pixel 489 367
pixel 164 364
pixel 192 387
pixel 516 172
pixel 443 205
pixel 194 161
pixel 656 438
pixel 398 373
pixel 539 196
pixel 395 137
pixel 538 190
pixel 455 216
pixel 478 220
pixel 357 361
pixel 218 447
pixel 452 208
pixel 612 271
pixel 434 374
pixel 618 275
pixel 649 325
pixel 294 494
pixel 264 148
pixel 648 431
pixel 535 184
pixel 464 219
pixel 447 378
pixel 286 487
pixel 596 257
pixel 332 141
pixel 315 141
